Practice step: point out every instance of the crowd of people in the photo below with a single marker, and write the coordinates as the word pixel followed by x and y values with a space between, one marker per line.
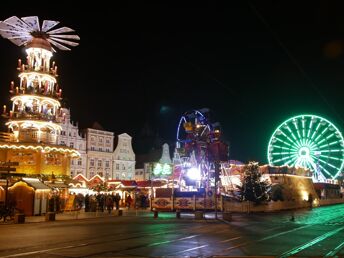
pixel 100 202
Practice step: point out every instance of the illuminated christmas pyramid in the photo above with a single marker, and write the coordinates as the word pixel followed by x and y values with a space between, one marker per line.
pixel 36 110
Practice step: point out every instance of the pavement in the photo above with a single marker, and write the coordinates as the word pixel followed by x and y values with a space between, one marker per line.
pixel 81 214
pixel 73 215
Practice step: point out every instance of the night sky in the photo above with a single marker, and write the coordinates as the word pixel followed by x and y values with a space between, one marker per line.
pixel 140 67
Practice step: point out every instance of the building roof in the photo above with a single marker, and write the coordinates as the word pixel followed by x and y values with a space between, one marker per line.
pixel 97 126
pixel 124 135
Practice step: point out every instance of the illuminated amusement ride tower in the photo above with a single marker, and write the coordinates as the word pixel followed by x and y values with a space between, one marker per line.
pixel 34 116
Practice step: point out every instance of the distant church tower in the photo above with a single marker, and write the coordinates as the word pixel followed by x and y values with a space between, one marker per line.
pixel 165 156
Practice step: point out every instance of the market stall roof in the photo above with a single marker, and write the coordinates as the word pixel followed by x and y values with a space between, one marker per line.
pixel 35 183
pixel 56 184
pixel 95 180
pixel 75 182
pixel 149 183
pixel 122 184
pixel 80 177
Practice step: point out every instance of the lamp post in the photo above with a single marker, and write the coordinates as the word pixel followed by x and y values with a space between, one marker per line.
pixel 217 173
pixel 217 156
pixel 151 181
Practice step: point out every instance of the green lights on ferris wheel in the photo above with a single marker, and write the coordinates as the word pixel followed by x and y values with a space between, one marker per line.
pixel 309 141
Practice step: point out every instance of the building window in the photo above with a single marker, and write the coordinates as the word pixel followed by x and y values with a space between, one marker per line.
pixel 117 166
pixel 117 175
pixel 92 148
pixel 100 149
pixel 72 162
pixel 107 150
pixel 100 140
pixel 99 163
pixel 70 134
pixel 72 173
pixel 74 134
pixel 107 164
pixel 107 140
pixel 71 144
pixel 79 162
pixel 123 167
pixel 92 162
pixel 91 174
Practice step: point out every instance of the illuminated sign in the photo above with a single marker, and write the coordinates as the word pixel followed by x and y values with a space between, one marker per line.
pixel 160 169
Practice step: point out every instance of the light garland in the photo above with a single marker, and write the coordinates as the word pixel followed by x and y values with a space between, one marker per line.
pixel 42 76
pixel 288 175
pixel 41 99
pixel 34 123
pixel 72 152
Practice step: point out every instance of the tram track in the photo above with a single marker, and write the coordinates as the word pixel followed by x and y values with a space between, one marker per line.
pixel 335 251
pixel 332 220
pixel 114 238
pixel 299 248
pixel 206 245
pixel 194 236
pixel 110 239
pixel 140 235
pixel 310 243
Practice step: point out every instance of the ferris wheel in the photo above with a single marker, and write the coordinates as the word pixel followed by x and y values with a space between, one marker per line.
pixel 193 126
pixel 194 132
pixel 308 141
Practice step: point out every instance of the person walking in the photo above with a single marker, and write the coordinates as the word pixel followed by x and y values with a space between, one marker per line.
pixel 87 203
pixel 310 200
pixel 109 203
pixel 143 201
pixel 129 200
pixel 117 198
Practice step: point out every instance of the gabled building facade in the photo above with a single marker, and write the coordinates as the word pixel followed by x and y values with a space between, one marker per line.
pixel 124 159
pixel 96 147
pixel 69 136
pixel 99 147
